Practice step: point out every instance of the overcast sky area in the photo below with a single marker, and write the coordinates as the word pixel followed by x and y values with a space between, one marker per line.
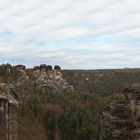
pixel 76 34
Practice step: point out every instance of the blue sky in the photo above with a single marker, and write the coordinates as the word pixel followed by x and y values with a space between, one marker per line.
pixel 76 34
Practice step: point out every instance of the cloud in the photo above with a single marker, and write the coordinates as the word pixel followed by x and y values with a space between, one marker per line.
pixel 74 34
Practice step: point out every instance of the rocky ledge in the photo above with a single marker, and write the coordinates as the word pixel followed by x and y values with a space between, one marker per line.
pixel 121 117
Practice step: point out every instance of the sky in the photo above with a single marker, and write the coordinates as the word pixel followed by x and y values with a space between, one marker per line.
pixel 76 34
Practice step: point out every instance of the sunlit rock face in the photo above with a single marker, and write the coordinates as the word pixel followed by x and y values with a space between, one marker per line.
pixel 8 112
pixel 49 79
pixel 121 117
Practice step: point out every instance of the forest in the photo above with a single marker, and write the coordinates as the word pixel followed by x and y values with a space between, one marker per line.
pixel 74 115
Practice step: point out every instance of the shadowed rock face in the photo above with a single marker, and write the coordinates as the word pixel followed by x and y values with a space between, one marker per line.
pixel 8 112
pixel 121 117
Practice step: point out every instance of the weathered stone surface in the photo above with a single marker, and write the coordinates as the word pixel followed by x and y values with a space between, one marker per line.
pixel 51 80
pixel 121 117
pixel 8 112
pixel 22 77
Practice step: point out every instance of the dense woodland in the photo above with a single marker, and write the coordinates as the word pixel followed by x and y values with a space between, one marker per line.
pixel 69 115
pixel 102 82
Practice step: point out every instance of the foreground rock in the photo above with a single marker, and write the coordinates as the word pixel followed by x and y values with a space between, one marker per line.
pixel 8 112
pixel 121 117
pixel 50 80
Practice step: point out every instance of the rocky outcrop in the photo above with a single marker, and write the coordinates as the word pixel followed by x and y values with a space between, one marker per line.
pixel 8 112
pixel 50 80
pixel 21 75
pixel 121 117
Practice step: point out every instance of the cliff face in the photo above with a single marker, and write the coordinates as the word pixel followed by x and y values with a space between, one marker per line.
pixel 121 117
pixel 8 112
pixel 43 77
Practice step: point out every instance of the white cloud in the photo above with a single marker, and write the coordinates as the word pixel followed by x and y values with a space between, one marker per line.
pixel 39 28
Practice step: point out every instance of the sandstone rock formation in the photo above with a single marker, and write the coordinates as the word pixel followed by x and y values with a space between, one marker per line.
pixel 45 78
pixel 121 117
pixel 8 112
pixel 48 79
pixel 22 77
pixel 8 68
